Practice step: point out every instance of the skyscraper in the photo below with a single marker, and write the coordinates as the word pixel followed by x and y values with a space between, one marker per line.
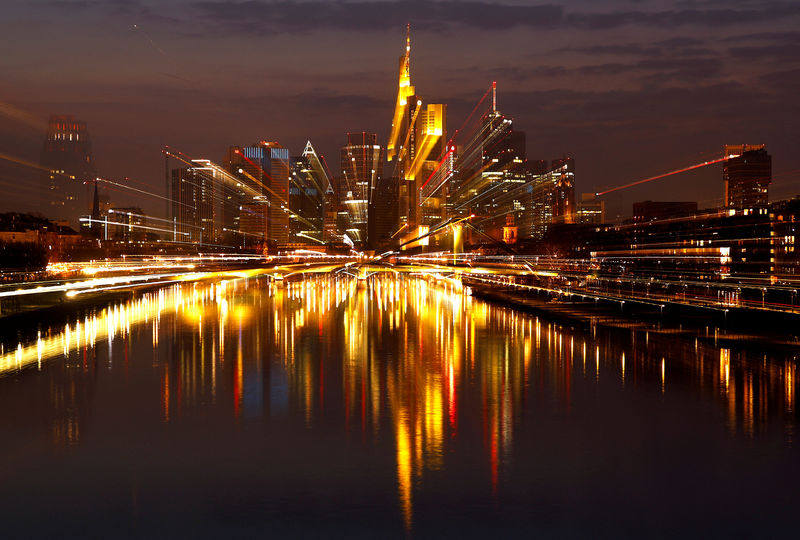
pixel 362 165
pixel 382 214
pixel 415 148
pixel 68 182
pixel 550 196
pixel 747 174
pixel 490 174
pixel 591 210
pixel 263 170
pixel 564 171
pixel 307 187
pixel 195 194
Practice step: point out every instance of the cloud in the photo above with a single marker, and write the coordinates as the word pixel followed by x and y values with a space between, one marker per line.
pixel 626 49
pixel 766 52
pixel 288 16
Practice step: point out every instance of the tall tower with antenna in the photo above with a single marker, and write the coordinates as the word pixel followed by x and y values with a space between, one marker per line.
pixel 415 147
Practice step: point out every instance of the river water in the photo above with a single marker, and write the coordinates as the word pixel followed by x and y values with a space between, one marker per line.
pixel 404 407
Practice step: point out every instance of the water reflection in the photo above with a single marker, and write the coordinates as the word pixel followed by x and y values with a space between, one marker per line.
pixel 414 358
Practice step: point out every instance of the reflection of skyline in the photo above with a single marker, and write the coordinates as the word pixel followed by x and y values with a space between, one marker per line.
pixel 408 358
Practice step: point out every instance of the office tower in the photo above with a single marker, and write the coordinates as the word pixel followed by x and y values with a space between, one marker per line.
pixel 415 148
pixel 747 174
pixel 307 187
pixel 195 193
pixel 382 214
pixel 362 165
pixel 549 197
pixel 491 175
pixel 564 171
pixel 67 184
pixel 263 170
pixel 591 210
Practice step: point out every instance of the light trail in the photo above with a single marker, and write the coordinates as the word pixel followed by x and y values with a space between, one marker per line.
pixel 439 166
pixel 143 192
pixel 91 221
pixel 20 161
pixel 658 177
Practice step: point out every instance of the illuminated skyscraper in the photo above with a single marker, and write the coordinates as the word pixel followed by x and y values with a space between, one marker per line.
pixel 591 210
pixel 563 170
pixel 195 194
pixel 415 148
pixel 307 187
pixel 549 196
pixel 747 174
pixel 491 172
pixel 382 214
pixel 264 171
pixel 68 183
pixel 362 166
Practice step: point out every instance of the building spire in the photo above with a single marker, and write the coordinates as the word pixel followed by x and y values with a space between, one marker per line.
pixel 407 62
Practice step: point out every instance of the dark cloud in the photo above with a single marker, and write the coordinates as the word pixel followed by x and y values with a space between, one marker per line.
pixel 287 16
pixel 679 42
pixel 632 49
pixel 666 68
pixel 622 99
pixel 787 82
pixel 766 52
pixel 778 37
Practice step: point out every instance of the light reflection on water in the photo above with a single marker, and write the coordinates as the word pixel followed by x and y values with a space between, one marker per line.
pixel 440 373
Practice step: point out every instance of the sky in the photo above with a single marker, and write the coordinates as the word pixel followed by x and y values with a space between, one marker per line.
pixel 628 88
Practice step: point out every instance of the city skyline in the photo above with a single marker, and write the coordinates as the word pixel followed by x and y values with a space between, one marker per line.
pixel 399 268
pixel 745 109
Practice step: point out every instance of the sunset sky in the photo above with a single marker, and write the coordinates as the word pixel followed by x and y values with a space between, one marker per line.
pixel 630 89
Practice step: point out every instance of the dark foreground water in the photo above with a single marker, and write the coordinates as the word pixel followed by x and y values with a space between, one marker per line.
pixel 318 409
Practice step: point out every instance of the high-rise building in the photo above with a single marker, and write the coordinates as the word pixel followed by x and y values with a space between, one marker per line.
pixel 68 182
pixel 307 187
pixel 564 171
pixel 591 210
pixel 382 214
pixel 549 197
pixel 263 171
pixel 362 165
pixel 195 194
pixel 490 174
pixel 746 174
pixel 416 148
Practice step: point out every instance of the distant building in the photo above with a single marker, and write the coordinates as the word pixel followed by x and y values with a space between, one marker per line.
pixel 67 184
pixel 382 213
pixel 655 210
pixel 746 175
pixel 591 210
pixel 362 165
pixel 489 177
pixel 549 197
pixel 732 242
pixel 564 171
pixel 195 193
pixel 130 224
pixel 307 187
pixel 416 146
pixel 263 191
pixel 57 239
